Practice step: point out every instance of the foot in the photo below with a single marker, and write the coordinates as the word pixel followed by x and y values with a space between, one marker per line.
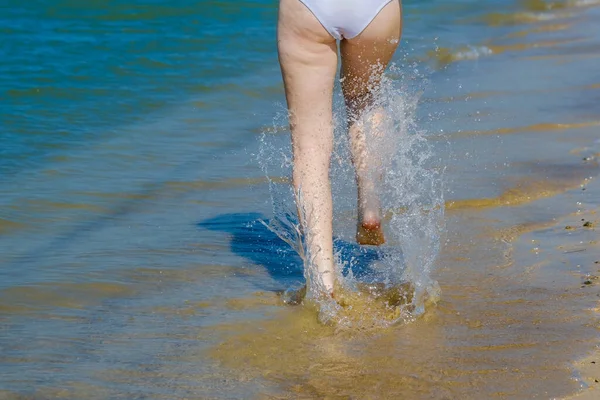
pixel 370 234
pixel 369 231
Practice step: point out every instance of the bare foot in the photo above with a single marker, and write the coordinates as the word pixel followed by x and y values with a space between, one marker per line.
pixel 368 233
pixel 368 230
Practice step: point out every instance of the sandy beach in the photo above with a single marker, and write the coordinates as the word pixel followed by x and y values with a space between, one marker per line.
pixel 134 261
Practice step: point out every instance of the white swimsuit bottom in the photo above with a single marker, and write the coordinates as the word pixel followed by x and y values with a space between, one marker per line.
pixel 345 19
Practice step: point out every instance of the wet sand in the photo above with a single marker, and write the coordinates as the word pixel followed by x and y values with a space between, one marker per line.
pixel 514 314
pixel 589 373
pixel 518 273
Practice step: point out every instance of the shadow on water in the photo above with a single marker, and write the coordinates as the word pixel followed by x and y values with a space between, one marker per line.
pixel 252 240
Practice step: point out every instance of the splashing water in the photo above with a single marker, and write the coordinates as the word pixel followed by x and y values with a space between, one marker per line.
pixel 371 280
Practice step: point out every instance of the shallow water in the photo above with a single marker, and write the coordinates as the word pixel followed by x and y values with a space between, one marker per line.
pixel 134 265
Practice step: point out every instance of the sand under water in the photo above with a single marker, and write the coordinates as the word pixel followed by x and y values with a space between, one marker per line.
pixel 132 268
pixel 518 269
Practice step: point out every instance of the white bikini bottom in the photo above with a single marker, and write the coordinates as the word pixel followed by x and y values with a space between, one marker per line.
pixel 345 19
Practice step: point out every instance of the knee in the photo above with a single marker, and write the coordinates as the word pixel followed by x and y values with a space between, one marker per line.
pixel 360 93
pixel 359 99
pixel 357 104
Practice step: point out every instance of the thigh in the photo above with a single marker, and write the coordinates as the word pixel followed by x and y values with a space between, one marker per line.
pixel 308 59
pixel 365 57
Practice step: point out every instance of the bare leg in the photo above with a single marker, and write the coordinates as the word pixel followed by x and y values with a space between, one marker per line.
pixel 308 58
pixel 364 59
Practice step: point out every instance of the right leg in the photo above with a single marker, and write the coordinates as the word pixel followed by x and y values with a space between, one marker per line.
pixel 364 59
pixel 308 59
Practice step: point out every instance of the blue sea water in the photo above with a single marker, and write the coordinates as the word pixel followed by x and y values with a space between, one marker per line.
pixel 75 72
pixel 109 100
pixel 128 173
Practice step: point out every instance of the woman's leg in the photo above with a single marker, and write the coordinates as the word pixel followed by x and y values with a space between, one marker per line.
pixel 308 59
pixel 364 59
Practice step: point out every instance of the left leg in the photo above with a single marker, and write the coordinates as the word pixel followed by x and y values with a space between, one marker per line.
pixel 364 59
pixel 308 59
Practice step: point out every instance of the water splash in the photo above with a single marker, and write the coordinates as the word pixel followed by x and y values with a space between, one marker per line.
pixel 412 203
pixel 412 193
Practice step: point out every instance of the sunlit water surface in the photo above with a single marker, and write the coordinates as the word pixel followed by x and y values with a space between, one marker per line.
pixel 141 146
